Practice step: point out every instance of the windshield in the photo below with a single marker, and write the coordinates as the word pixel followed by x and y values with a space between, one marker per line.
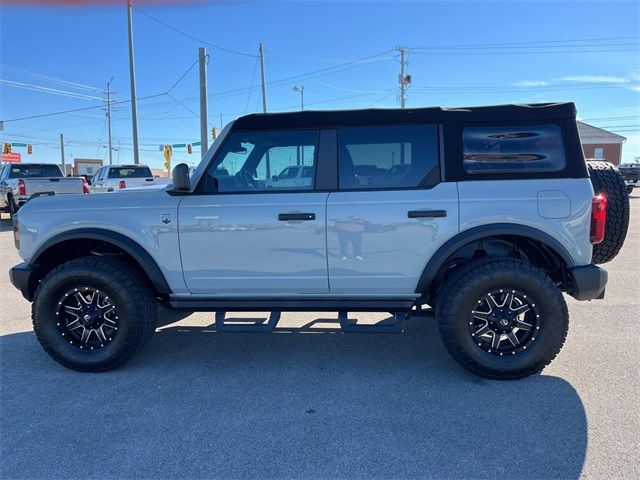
pixel 34 171
pixel 130 172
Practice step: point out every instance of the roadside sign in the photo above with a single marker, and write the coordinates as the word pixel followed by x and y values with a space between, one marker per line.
pixel 179 145
pixel 11 157
pixel 14 144
pixel 195 144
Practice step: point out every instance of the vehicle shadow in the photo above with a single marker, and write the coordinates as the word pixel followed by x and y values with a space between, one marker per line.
pixel 197 403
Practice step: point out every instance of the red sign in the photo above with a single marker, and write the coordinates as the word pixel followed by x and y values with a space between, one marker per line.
pixel 13 157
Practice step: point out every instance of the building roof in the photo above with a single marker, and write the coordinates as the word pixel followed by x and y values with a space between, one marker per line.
pixel 589 133
pixel 373 116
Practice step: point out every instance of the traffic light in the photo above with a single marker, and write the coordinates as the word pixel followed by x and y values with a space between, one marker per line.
pixel 189 149
pixel 7 148
pixel 213 134
pixel 29 149
pixel 168 151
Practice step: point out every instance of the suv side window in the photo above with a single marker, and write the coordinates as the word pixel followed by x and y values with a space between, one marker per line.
pixel 513 149
pixel 263 161
pixel 387 157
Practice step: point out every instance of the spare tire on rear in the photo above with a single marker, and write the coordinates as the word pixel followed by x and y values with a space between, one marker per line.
pixel 607 180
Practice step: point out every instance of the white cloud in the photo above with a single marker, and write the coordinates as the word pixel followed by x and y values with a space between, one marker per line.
pixel 531 83
pixel 635 88
pixel 595 79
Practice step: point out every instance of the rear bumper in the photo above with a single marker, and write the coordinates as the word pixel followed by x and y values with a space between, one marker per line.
pixel 24 278
pixel 589 282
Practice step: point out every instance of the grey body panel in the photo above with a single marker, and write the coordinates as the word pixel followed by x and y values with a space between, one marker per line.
pixel 137 215
pixel 393 248
pixel 235 244
pixel 566 204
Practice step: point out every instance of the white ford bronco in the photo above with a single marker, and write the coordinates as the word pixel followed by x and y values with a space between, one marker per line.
pixel 486 215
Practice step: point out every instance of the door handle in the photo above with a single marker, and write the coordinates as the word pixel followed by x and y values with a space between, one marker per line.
pixel 427 213
pixel 285 217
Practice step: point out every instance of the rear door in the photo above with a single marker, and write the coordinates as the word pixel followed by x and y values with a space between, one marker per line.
pixel 383 227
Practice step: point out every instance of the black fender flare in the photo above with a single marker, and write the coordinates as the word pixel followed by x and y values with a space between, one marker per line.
pixel 131 247
pixel 484 231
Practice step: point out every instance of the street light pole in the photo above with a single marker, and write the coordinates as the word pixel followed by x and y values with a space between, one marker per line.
pixel 109 119
pixel 132 76
pixel 204 136
pixel 300 149
pixel 300 89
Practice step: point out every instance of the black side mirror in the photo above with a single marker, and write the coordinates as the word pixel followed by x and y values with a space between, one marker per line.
pixel 181 178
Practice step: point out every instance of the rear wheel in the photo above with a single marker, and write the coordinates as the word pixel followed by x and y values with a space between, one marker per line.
pixel 502 318
pixel 93 313
pixel 608 181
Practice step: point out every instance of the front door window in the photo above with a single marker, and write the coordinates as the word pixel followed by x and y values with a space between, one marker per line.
pixel 264 161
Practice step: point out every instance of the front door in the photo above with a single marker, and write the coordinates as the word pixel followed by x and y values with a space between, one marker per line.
pixel 247 234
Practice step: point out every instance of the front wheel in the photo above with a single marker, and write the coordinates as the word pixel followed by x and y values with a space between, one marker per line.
pixel 502 318
pixel 93 313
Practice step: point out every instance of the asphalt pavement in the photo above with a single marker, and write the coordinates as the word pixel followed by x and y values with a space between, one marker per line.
pixel 317 403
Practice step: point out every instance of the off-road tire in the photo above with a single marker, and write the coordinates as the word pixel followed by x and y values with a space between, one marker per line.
pixel 130 293
pixel 460 295
pixel 607 180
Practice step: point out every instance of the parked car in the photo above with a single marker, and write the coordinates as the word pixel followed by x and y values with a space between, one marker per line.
pixel 295 176
pixel 20 182
pixel 492 216
pixel 112 178
pixel 631 174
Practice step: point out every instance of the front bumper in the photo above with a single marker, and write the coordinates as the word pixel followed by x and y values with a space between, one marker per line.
pixel 25 279
pixel 589 282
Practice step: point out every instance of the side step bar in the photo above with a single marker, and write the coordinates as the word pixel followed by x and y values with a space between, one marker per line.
pixel 347 326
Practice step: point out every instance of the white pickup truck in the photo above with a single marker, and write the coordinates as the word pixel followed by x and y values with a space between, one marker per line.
pixel 112 178
pixel 21 182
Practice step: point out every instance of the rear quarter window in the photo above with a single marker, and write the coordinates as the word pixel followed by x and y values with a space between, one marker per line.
pixel 513 149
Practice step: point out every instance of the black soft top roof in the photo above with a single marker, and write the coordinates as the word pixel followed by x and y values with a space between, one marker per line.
pixel 372 116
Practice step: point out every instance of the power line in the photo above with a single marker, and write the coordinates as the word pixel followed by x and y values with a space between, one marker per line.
pixel 39 88
pixel 532 43
pixel 40 76
pixel 498 52
pixel 253 77
pixel 188 35
pixel 118 102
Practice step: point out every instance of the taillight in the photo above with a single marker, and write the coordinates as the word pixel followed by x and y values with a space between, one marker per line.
pixel 85 186
pixel 122 184
pixel 598 218
pixel 22 188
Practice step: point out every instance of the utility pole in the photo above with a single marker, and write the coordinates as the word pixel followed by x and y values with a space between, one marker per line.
pixel 403 79
pixel 109 118
pixel 204 137
pixel 264 105
pixel 132 76
pixel 64 167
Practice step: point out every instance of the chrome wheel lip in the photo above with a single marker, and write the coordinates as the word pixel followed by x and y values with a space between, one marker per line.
pixel 505 322
pixel 86 318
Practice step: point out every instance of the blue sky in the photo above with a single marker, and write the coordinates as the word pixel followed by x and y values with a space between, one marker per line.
pixel 588 52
